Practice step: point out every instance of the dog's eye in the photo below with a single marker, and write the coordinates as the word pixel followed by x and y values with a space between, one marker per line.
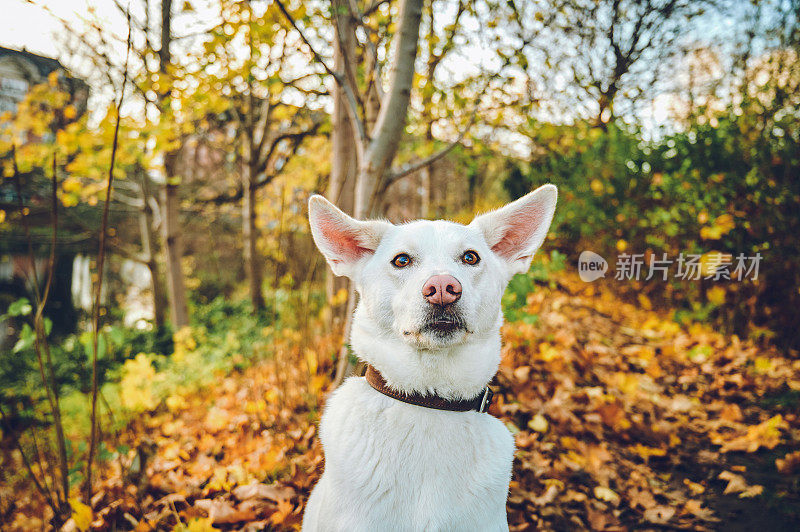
pixel 401 261
pixel 470 257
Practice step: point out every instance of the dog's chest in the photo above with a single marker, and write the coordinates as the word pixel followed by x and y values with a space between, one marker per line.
pixel 414 461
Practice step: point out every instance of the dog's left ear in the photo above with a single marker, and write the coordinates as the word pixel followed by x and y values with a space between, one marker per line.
pixel 343 240
pixel 516 231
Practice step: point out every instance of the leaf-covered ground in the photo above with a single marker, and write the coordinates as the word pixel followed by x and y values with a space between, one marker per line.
pixel 623 420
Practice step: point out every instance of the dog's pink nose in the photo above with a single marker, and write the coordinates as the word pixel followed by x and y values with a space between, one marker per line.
pixel 442 290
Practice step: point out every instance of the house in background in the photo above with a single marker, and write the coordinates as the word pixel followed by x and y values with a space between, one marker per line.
pixel 20 70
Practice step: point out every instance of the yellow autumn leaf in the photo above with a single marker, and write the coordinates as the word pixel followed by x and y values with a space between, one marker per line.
pixel 196 524
pixel 317 384
pixel 646 452
pixel 694 487
pixel 271 396
pixel 766 434
pixel 81 514
pixel 606 494
pixel 219 480
pixel 176 402
pixel 547 352
pixel 254 407
pixel 311 361
pixel 762 365
pixel 538 423
pixel 725 223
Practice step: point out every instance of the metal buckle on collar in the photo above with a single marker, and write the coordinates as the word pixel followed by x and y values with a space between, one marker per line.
pixel 486 400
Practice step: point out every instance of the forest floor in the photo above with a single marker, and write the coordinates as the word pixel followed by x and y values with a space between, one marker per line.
pixel 623 420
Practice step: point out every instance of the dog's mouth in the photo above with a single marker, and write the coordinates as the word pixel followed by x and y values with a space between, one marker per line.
pixel 443 322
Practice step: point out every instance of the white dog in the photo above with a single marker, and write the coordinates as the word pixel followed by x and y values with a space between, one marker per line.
pixel 428 323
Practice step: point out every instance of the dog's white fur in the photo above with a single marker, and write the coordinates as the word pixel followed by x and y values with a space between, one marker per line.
pixel 395 466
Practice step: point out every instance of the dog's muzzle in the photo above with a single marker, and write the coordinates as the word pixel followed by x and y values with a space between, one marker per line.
pixel 443 321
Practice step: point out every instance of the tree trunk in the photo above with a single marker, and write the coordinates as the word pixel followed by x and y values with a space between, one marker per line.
pixel 146 228
pixel 252 262
pixel 425 190
pixel 426 172
pixel 149 236
pixel 173 250
pixel 344 166
pixel 385 135
pixel 159 297
pixel 391 120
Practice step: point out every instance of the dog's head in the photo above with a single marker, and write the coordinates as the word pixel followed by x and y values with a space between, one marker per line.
pixel 434 284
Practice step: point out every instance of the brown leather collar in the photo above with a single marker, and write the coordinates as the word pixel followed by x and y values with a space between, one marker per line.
pixel 480 403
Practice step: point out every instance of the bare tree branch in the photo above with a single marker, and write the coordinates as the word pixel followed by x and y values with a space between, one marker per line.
pixel 412 167
pixel 100 262
pixel 346 88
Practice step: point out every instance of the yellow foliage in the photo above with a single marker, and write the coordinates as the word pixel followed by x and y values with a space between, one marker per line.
pixel 646 452
pixel 606 494
pixel 538 423
pixel 762 365
pixel 255 407
pixel 176 402
pixel 81 514
pixel 69 200
pixel 71 184
pixel 339 298
pixel 184 343
pixel 311 361
pixel 722 225
pixel 138 377
pixel 547 352
pixel 216 419
pixel 271 397
pixel 318 382
pixel 716 295
pixel 766 434
pixel 196 524
pixel 695 488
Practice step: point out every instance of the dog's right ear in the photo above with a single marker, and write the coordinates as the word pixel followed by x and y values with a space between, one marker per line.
pixel 344 241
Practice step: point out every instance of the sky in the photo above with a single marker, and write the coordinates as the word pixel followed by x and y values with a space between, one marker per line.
pixel 26 24
pixel 34 24
pixel 37 24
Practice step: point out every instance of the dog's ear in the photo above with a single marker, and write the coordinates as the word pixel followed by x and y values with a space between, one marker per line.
pixel 343 240
pixel 515 231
